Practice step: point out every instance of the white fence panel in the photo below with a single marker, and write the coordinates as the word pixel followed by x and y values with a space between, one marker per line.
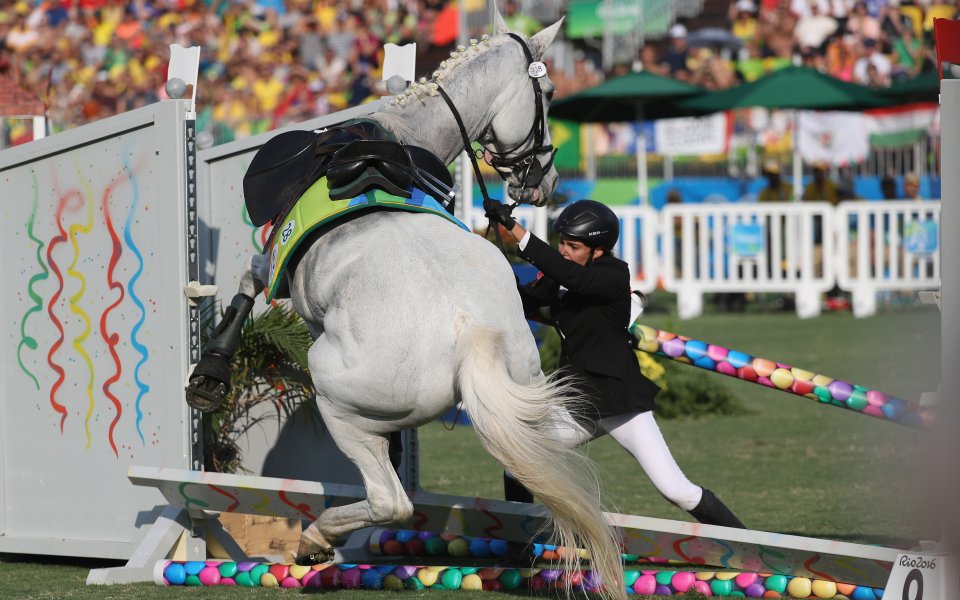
pixel 775 247
pixel 637 245
pixel 886 246
pixel 97 335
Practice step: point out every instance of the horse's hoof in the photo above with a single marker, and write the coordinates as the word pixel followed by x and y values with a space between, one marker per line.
pixel 205 394
pixel 315 558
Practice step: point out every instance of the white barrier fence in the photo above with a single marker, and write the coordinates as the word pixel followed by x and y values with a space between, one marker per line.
pixel 803 249
pixel 886 246
pixel 637 245
pixel 746 248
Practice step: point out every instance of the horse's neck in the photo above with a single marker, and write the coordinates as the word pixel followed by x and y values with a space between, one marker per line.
pixel 428 122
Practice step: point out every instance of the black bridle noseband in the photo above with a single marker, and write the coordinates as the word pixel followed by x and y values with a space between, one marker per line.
pixel 507 163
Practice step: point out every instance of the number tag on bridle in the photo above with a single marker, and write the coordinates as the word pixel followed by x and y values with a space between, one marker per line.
pixel 537 70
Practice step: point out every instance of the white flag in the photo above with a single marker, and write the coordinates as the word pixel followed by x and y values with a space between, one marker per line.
pixel 690 136
pixel 837 138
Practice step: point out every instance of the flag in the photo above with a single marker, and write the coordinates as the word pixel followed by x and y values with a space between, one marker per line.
pixel 692 136
pixel 900 125
pixel 947 35
pixel 833 137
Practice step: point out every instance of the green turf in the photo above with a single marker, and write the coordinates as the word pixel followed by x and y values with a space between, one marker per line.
pixel 787 465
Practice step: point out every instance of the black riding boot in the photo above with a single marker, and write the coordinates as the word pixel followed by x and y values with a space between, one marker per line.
pixel 515 491
pixel 712 511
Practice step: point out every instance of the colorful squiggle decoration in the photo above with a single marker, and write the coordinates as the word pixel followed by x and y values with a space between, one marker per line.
pixel 26 340
pixel 253 228
pixel 142 388
pixel 497 523
pixel 75 306
pixel 61 374
pixel 112 339
pixel 187 500
pixel 780 376
pixel 222 492
pixel 302 507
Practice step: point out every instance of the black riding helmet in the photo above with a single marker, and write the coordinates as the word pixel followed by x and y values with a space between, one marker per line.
pixel 590 222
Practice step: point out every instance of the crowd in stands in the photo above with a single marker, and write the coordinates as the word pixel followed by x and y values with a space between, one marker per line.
pixel 264 62
pixel 270 62
pixel 872 42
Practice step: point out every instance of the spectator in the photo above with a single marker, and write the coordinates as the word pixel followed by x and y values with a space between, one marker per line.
pixel 650 61
pixel 871 57
pixel 518 21
pixel 841 60
pixel 675 58
pixel 822 188
pixel 875 79
pixel 777 190
pixel 911 186
pixel 862 24
pixel 907 55
pixel 744 25
pixel 813 29
pixel 888 187
pixel 777 31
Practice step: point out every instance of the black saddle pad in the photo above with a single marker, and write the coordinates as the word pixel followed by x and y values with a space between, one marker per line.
pixel 290 162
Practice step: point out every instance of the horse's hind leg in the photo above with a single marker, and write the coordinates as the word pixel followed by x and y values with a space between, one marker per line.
pixel 386 500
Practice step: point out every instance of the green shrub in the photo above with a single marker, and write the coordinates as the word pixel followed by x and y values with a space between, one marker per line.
pixel 693 392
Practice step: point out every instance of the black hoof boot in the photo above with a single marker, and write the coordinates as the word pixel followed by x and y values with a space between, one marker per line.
pixel 210 381
pixel 712 511
pixel 316 558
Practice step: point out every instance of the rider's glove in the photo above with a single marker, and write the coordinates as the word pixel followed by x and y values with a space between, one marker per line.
pixel 499 213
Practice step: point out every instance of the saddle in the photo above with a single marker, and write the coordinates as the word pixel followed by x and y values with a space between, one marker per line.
pixel 355 156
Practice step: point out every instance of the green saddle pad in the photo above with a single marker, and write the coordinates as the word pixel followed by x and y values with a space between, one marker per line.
pixel 316 208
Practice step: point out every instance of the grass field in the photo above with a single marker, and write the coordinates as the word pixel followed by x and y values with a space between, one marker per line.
pixel 787 464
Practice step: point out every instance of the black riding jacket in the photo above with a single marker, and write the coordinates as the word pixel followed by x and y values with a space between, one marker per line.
pixel 592 318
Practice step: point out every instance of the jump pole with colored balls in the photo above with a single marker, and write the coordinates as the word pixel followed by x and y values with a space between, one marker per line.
pixel 404 577
pixel 780 376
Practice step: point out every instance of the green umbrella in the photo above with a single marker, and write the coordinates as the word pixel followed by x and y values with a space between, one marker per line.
pixel 925 87
pixel 799 88
pixel 631 97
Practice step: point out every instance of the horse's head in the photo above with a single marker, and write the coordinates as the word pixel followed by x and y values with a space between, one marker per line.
pixel 517 141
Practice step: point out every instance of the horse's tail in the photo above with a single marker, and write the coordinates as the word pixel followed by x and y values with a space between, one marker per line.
pixel 509 418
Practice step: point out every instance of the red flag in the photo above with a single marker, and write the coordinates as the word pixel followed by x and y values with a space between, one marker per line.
pixel 946 32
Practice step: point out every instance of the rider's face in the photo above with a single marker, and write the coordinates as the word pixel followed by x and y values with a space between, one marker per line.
pixel 577 251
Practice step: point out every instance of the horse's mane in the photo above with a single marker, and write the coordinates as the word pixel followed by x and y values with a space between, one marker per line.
pixel 462 55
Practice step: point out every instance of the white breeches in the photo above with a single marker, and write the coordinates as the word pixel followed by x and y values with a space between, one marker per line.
pixel 639 435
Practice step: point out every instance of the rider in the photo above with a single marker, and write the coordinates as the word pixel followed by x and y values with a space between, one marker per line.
pixel 588 292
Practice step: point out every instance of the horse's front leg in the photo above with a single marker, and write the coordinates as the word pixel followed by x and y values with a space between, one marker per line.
pixel 210 380
pixel 386 503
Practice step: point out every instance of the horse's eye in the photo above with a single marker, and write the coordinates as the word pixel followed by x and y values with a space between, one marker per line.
pixel 550 96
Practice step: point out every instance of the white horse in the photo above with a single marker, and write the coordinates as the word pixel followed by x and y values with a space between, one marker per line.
pixel 411 314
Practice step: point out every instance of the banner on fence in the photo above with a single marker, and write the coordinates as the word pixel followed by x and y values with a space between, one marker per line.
pixel 694 135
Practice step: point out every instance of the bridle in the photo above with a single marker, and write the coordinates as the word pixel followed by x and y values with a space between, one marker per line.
pixel 507 163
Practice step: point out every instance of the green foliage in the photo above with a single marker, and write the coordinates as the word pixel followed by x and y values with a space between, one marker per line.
pixel 691 392
pixel 270 365
pixel 549 348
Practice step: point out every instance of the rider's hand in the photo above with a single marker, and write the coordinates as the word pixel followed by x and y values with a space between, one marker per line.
pixel 499 213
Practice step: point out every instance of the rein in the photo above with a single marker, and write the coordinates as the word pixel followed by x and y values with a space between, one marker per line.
pixel 500 161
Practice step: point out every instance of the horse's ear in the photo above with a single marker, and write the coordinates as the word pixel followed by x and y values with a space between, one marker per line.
pixel 499 25
pixel 542 40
